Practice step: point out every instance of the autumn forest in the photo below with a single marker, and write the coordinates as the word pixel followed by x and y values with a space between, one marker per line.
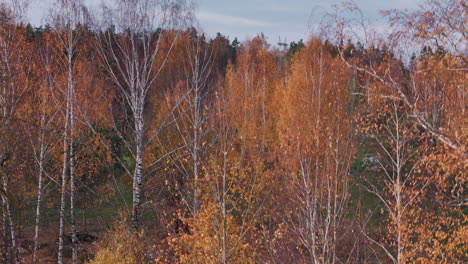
pixel 127 135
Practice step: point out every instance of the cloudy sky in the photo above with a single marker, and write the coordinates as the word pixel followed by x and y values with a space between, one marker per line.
pixel 275 18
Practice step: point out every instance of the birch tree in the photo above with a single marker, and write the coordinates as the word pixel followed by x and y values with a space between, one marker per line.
pixel 13 87
pixel 421 87
pixel 232 200
pixel 66 18
pixel 134 59
pixel 200 68
pixel 191 114
pixel 398 188
pixel 435 24
pixel 44 144
pixel 236 179
pixel 317 136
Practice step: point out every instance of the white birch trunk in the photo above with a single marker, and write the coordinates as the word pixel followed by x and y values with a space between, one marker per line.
pixel 9 224
pixel 63 187
pixel 223 209
pixel 71 147
pixel 138 174
pixel 39 189
pixel 196 130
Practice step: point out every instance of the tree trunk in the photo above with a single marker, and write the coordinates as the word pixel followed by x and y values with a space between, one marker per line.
pixel 223 209
pixel 72 190
pixel 6 240
pixel 72 150
pixel 10 228
pixel 196 158
pixel 83 209
pixel 63 187
pixel 137 177
pixel 39 192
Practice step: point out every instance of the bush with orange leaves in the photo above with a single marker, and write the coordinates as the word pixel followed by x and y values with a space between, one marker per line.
pixel 121 245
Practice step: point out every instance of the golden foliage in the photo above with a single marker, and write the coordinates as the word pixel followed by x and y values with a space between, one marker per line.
pixel 121 245
pixel 203 243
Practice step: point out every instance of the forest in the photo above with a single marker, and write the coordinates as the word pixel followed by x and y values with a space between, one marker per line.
pixel 129 136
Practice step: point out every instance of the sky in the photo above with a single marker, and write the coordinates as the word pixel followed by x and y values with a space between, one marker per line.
pixel 244 19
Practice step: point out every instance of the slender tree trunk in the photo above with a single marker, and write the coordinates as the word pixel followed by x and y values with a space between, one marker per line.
pixel 72 188
pixel 6 239
pixel 196 145
pixel 39 190
pixel 63 186
pixel 398 192
pixel 72 150
pixel 10 224
pixel 399 231
pixel 138 170
pixel 83 209
pixel 224 213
